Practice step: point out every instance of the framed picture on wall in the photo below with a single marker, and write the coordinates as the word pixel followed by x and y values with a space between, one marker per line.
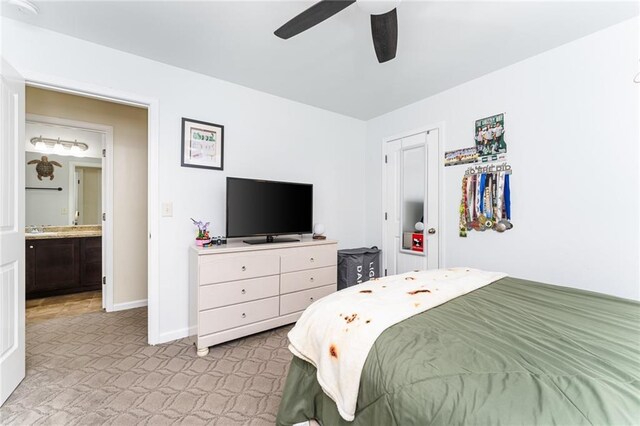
pixel 202 144
pixel 490 136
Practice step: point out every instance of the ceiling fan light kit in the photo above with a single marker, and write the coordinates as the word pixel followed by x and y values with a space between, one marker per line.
pixel 384 22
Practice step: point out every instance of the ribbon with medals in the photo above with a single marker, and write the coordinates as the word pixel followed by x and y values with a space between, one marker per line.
pixel 486 199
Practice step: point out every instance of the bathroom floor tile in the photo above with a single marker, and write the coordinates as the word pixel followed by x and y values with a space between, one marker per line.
pixel 63 306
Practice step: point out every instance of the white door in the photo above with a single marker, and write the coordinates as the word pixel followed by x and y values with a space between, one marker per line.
pixel 391 200
pixel 410 193
pixel 12 247
pixel 432 206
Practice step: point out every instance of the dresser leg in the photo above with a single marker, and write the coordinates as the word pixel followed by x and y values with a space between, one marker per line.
pixel 203 351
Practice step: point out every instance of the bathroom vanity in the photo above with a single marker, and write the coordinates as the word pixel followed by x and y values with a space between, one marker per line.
pixel 63 260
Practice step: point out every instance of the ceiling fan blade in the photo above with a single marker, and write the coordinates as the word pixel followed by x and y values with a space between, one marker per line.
pixel 317 13
pixel 384 29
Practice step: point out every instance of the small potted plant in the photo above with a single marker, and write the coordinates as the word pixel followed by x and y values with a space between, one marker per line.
pixel 203 232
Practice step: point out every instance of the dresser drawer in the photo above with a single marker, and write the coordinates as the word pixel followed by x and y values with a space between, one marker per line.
pixel 310 278
pixel 295 302
pixel 309 257
pixel 223 268
pixel 230 293
pixel 220 319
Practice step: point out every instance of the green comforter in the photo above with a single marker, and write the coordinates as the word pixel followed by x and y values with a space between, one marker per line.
pixel 512 353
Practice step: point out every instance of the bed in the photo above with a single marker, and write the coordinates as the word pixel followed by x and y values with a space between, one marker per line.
pixel 512 352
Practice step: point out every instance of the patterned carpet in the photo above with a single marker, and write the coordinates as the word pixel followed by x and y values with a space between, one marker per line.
pixel 96 368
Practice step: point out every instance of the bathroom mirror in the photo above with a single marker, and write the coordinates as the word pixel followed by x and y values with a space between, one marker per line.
pixel 63 180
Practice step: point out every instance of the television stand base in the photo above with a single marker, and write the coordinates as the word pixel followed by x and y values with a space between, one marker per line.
pixel 270 240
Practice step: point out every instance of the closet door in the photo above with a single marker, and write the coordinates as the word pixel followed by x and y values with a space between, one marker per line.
pixel 432 206
pixel 412 201
pixel 410 195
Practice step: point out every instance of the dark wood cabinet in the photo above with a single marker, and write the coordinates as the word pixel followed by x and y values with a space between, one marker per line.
pixel 62 266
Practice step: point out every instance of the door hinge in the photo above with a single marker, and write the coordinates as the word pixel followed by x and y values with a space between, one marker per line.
pixel 385 215
pixel 385 272
pixel 104 216
pixel 104 280
pixel 104 152
pixel 385 159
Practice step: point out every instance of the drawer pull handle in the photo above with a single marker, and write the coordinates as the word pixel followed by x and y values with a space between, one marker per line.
pixel 311 298
pixel 243 291
pixel 30 247
pixel 244 315
pixel 311 279
pixel 311 260
pixel 244 268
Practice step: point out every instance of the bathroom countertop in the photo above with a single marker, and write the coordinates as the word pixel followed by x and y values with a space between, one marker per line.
pixel 79 231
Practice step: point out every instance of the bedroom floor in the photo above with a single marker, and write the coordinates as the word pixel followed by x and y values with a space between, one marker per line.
pixel 96 368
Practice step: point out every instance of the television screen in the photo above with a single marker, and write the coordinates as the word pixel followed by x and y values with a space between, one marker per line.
pixel 267 208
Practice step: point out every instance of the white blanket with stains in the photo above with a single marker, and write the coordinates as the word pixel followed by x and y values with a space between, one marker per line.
pixel 336 332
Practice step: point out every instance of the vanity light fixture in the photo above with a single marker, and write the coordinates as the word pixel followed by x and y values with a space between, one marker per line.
pixel 58 144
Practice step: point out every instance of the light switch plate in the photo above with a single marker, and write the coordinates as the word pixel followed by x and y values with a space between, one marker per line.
pixel 167 209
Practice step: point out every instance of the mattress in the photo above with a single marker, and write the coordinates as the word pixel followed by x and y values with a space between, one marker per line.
pixel 513 352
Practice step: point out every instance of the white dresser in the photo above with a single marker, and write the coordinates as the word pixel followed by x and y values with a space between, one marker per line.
pixel 240 289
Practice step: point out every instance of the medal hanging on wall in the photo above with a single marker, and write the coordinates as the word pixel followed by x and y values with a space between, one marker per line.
pixel 485 203
pixel 463 209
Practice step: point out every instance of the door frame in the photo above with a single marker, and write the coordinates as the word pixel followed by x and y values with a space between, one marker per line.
pixel 109 94
pixel 440 126
pixel 73 165
pixel 107 167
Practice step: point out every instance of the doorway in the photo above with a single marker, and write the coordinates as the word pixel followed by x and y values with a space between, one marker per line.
pixel 118 142
pixel 12 216
pixel 76 281
pixel 411 202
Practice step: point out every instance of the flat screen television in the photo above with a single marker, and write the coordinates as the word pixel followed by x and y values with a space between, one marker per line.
pixel 268 208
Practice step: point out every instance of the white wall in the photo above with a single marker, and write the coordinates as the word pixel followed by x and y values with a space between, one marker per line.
pixel 265 136
pixel 572 117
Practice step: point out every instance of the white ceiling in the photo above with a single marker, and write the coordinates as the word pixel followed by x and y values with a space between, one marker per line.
pixel 333 65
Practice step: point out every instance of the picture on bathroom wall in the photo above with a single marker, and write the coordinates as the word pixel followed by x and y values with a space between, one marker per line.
pixel 202 144
pixel 490 136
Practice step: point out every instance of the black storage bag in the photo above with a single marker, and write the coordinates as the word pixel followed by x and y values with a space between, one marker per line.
pixel 357 265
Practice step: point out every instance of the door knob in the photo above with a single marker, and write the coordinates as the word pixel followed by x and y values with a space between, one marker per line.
pixel 432 231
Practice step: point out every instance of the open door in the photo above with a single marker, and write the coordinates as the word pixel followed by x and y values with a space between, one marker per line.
pixel 12 246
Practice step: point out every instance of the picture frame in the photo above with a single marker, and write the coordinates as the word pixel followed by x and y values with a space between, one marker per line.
pixel 489 136
pixel 202 145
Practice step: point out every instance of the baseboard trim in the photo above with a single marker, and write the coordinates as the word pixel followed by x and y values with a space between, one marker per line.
pixel 129 305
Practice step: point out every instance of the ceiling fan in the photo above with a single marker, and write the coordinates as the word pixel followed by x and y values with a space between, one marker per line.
pixel 384 23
